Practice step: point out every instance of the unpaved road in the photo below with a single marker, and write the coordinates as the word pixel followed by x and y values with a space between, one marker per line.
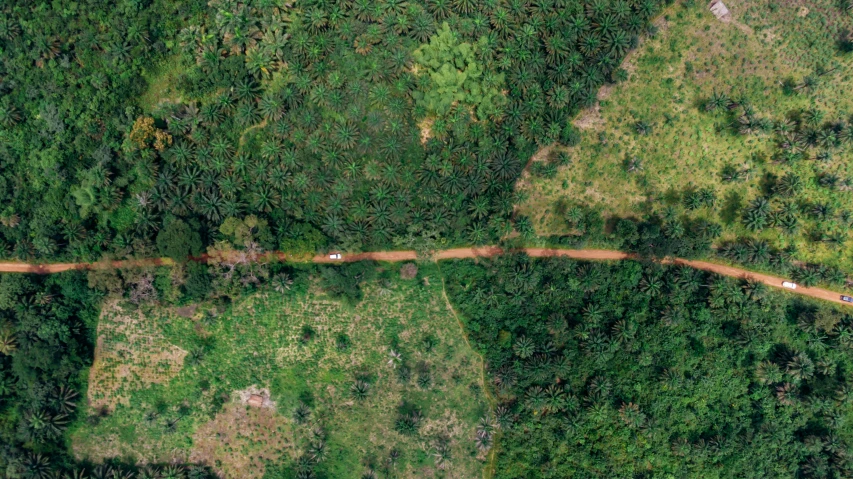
pixel 454 253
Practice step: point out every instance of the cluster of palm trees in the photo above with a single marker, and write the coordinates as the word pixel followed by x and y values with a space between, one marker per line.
pixel 803 135
pixel 39 466
pixel 621 359
pixel 304 113
pixel 760 252
pixel 334 141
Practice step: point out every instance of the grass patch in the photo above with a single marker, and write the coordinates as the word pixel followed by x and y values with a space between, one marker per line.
pixel 685 148
pixel 162 82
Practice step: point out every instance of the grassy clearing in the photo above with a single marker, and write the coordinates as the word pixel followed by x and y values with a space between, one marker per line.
pixel 692 56
pixel 162 84
pixel 131 354
pixel 303 351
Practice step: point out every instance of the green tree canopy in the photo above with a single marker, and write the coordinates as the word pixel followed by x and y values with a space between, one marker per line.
pixel 456 76
pixel 178 241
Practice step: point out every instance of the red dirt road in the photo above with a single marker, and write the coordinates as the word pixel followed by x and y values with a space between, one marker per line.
pixel 455 253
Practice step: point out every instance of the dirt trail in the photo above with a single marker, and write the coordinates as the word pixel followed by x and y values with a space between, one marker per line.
pixel 454 253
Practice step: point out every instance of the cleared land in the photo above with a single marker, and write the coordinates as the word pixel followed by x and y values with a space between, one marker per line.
pixel 271 378
pixel 671 76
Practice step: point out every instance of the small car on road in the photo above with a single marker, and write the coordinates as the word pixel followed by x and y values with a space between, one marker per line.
pixel 335 256
pixel 789 285
pixel 847 298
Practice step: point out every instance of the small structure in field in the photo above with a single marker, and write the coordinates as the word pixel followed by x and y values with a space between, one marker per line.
pixel 719 9
pixel 253 396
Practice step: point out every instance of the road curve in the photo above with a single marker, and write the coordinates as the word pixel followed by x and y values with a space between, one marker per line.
pixel 453 253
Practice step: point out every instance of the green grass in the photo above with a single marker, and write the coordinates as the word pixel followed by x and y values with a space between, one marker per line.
pixel 162 84
pixel 257 341
pixel 693 55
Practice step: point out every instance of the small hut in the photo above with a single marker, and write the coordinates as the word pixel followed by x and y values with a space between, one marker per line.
pixel 719 9
pixel 255 400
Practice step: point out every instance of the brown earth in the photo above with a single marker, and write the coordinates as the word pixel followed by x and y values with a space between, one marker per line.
pixel 454 253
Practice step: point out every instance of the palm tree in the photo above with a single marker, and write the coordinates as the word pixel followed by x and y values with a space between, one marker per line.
pixel 524 347
pixel 41 424
pixel 8 345
pixel 534 399
pixel 318 451
pixel 800 367
pixel 258 61
pixel 301 414
pixel 440 9
pixel 271 106
pixel 346 135
pixel 827 138
pixel 590 44
pixel 359 390
pixel 651 285
pixel 209 204
pixel 555 399
pixel 247 114
pixel 618 42
pixel 265 198
pixel 35 466
pixel 64 399
pixel 813 117
pixel 9 115
pixel 807 275
pixel 789 185
pixel 631 415
pixel 717 101
pixel 642 128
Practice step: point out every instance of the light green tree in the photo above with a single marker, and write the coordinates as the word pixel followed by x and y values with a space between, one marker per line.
pixel 456 77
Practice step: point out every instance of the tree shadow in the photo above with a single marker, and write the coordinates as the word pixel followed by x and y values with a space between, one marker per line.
pixel 732 205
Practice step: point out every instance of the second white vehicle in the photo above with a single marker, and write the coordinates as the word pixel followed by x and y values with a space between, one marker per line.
pixel 789 285
pixel 335 256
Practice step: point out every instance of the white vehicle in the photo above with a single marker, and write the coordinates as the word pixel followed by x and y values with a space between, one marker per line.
pixel 788 284
pixel 335 256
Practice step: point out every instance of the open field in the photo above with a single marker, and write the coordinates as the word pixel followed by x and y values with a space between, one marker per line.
pixel 268 384
pixel 671 77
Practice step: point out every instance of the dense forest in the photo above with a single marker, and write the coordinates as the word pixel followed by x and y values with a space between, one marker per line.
pixel 639 370
pixel 353 124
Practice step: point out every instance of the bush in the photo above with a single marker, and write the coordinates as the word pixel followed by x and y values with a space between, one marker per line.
pixel 344 281
pixel 178 241
pixel 198 283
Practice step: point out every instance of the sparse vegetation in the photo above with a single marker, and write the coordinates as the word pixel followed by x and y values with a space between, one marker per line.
pixel 742 123
pixel 324 364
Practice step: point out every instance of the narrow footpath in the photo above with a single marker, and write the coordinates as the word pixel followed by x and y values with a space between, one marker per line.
pixel 454 253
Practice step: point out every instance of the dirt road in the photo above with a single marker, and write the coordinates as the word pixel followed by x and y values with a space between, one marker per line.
pixel 454 253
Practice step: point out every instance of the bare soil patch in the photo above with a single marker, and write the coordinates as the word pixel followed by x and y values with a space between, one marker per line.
pixel 238 441
pixel 426 129
pixel 186 311
pixel 408 271
pixel 589 118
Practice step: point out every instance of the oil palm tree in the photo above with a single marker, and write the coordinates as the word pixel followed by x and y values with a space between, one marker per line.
pixel 8 344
